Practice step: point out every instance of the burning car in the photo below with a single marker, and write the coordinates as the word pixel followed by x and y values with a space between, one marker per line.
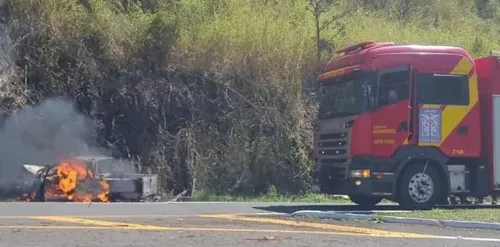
pixel 88 178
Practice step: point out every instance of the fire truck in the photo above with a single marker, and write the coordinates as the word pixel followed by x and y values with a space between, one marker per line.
pixel 413 124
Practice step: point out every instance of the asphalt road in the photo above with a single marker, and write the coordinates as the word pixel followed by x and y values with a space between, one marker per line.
pixel 208 224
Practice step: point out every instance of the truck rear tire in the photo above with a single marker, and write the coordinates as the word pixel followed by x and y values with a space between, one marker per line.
pixel 365 201
pixel 420 187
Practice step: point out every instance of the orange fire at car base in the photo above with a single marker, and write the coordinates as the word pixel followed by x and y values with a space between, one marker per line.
pixel 80 179
pixel 75 182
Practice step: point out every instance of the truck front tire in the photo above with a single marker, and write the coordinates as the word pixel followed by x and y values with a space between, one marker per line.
pixel 365 201
pixel 420 187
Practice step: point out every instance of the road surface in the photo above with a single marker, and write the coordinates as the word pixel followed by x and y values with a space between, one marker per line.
pixel 208 224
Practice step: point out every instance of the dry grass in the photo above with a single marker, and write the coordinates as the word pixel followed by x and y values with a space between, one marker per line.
pixel 210 91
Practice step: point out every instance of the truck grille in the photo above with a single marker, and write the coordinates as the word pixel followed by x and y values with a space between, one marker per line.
pixel 333 161
pixel 332 144
pixel 333 136
pixel 332 148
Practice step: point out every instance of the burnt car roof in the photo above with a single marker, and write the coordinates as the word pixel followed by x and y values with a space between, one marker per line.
pixel 92 157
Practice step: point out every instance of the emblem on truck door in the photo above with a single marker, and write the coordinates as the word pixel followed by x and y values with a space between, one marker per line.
pixel 430 125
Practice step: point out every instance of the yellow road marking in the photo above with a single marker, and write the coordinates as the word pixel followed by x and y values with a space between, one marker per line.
pixel 180 229
pixel 96 222
pixel 331 227
pixel 109 216
pixel 334 228
pixel 59 227
pixel 160 228
pixel 130 216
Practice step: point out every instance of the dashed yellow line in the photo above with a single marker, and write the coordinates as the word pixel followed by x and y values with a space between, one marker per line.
pixel 330 227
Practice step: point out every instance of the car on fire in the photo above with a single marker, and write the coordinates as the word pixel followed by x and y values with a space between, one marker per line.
pixel 124 183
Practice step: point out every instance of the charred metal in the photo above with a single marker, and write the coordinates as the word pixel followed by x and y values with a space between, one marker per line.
pixel 43 182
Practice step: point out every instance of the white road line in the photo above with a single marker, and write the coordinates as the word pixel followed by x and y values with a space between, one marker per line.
pixel 468 238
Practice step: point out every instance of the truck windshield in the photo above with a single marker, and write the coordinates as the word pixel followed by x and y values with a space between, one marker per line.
pixel 343 97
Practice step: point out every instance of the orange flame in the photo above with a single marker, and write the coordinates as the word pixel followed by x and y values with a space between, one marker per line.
pixel 77 183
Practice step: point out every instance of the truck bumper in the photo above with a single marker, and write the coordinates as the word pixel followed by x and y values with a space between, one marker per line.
pixel 379 184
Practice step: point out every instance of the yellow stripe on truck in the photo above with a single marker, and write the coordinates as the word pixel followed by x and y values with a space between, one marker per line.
pixel 453 115
pixel 332 74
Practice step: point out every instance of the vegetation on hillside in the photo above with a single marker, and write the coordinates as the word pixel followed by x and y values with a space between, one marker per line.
pixel 212 92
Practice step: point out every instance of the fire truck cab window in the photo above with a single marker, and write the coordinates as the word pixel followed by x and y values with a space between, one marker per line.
pixel 393 87
pixel 443 89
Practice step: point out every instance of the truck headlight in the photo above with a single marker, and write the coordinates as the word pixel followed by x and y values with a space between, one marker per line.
pixel 361 173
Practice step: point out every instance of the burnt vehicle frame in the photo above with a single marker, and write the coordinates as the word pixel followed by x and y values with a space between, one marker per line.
pixel 124 185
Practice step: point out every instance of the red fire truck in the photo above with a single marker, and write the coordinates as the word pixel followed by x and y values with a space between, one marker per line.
pixel 414 124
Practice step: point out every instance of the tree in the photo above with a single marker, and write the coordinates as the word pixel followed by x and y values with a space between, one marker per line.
pixel 319 8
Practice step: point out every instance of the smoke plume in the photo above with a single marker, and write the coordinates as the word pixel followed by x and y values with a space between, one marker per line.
pixel 43 134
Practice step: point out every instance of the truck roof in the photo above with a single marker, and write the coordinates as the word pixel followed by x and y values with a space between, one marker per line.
pixel 355 54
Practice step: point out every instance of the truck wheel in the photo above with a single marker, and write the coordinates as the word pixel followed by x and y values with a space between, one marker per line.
pixel 419 189
pixel 365 201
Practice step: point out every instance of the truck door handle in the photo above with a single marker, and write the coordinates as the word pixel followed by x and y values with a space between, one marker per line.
pixel 403 126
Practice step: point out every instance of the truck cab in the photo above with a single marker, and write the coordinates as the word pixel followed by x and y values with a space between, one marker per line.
pixel 400 122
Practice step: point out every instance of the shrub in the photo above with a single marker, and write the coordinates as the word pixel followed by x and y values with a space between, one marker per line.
pixel 212 91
